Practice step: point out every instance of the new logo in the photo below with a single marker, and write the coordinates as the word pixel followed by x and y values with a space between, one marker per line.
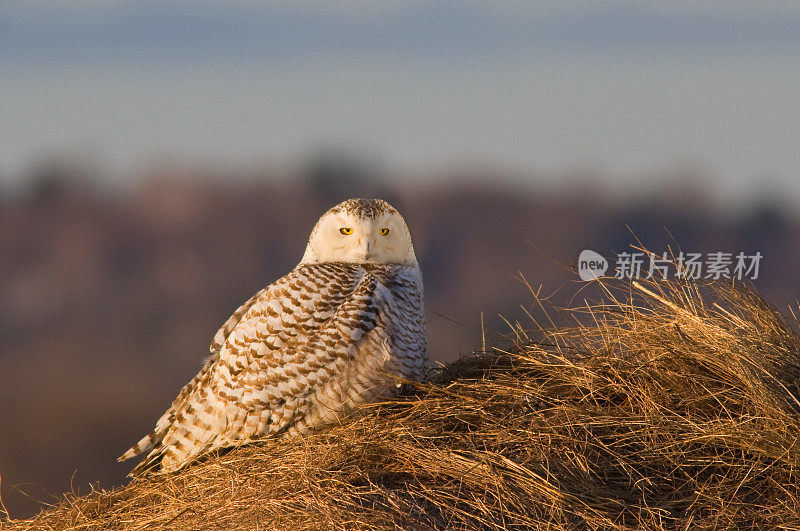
pixel 591 265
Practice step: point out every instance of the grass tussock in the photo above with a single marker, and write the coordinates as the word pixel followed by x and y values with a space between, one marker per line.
pixel 668 405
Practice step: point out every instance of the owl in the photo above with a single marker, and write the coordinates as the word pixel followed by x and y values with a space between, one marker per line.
pixel 343 328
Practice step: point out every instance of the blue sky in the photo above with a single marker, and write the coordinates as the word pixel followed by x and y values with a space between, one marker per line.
pixel 281 31
pixel 630 92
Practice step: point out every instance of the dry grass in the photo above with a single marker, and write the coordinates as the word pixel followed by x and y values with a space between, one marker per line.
pixel 668 405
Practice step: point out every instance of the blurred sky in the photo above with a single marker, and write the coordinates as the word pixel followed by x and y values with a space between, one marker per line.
pixel 629 93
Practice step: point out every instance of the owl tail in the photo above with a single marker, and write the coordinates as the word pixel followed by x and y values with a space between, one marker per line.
pixel 155 460
pixel 180 437
pixel 146 444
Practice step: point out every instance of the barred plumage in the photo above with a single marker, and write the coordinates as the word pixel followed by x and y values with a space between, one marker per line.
pixel 336 331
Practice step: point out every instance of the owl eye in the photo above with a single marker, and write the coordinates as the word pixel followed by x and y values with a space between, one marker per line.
pixel 346 230
pixel 383 232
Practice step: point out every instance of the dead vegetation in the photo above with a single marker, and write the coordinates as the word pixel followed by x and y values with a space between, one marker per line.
pixel 668 405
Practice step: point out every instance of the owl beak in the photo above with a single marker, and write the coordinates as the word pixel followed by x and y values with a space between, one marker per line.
pixel 369 250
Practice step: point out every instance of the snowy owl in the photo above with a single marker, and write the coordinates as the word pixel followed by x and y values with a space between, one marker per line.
pixel 335 332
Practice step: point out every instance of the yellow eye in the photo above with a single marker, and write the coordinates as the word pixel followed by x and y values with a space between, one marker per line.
pixel 383 232
pixel 346 230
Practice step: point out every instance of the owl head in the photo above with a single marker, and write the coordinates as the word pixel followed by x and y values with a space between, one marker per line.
pixel 361 230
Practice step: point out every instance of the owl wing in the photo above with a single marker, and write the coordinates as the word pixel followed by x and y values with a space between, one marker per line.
pixel 226 329
pixel 275 352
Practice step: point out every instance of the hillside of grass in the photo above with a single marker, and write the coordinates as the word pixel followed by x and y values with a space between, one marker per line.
pixel 667 405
